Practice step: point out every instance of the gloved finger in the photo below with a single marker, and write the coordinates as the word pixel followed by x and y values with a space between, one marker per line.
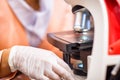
pixel 41 78
pixel 64 65
pixel 36 71
pixel 63 73
pixel 50 73
pixel 44 78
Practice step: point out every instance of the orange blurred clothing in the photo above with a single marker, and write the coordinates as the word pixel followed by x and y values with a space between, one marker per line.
pixel 61 20
pixel 12 31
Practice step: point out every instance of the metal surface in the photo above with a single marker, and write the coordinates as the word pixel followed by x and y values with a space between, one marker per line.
pixel 74 45
pixel 83 21
pixel 61 39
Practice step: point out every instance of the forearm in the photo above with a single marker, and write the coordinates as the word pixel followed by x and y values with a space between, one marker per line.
pixel 4 66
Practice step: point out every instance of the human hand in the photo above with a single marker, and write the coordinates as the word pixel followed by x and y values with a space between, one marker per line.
pixel 38 64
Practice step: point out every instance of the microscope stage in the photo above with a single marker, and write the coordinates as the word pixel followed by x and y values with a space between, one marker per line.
pixel 62 39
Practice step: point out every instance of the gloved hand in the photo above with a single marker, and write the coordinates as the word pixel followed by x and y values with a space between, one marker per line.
pixel 38 64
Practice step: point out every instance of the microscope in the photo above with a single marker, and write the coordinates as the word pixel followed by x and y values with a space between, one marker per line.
pixel 92 49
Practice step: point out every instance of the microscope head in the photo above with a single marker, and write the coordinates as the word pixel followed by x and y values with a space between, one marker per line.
pixel 83 19
pixel 106 49
pixel 96 26
pixel 88 14
pixel 97 9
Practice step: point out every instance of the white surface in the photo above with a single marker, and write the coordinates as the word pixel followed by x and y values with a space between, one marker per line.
pixel 99 58
pixel 79 77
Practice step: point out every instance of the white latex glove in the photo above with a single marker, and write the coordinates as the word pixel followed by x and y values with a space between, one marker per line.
pixel 38 64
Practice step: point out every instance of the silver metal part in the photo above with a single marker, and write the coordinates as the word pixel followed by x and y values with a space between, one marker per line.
pixel 82 20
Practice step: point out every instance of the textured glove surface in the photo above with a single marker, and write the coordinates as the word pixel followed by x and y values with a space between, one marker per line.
pixel 38 64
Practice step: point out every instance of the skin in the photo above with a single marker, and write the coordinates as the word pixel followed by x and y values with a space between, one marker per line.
pixel 4 67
